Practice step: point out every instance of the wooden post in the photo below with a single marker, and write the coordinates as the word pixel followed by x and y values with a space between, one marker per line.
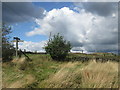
pixel 17 40
pixel 16 48
pixel 82 51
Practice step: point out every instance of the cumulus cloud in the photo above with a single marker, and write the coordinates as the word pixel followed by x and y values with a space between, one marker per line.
pixel 32 46
pixel 88 31
pixel 14 12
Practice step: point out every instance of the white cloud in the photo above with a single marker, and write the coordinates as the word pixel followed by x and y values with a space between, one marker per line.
pixel 83 29
pixel 32 46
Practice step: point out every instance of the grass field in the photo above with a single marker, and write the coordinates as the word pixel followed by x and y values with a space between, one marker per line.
pixel 43 72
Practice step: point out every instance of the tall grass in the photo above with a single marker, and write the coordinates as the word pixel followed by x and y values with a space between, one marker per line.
pixel 42 72
pixel 100 75
pixel 93 75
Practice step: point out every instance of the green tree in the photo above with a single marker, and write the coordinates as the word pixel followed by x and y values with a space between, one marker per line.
pixel 57 47
pixel 7 49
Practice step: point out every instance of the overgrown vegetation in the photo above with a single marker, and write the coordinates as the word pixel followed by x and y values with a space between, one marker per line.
pixel 7 49
pixel 57 47
pixel 43 72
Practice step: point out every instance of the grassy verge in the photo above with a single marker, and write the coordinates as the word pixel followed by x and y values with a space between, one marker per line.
pixel 42 72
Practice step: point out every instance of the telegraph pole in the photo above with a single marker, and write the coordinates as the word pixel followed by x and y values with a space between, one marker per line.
pixel 16 39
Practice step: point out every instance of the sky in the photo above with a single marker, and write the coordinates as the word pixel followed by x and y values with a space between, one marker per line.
pixel 89 26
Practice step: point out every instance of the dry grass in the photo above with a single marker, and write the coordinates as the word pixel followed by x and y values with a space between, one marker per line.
pixel 44 73
pixel 63 78
pixel 100 75
pixel 12 74
pixel 21 63
pixel 94 75
pixel 28 79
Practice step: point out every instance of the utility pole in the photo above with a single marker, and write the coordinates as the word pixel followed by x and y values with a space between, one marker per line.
pixel 16 39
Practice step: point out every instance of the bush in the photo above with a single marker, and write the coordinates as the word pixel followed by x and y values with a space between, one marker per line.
pixel 7 53
pixel 57 47
pixel 7 49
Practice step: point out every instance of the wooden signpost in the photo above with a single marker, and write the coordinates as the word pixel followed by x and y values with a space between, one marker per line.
pixel 16 39
pixel 82 51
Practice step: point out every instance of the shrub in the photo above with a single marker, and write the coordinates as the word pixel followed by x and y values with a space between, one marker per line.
pixel 57 47
pixel 7 53
pixel 7 49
